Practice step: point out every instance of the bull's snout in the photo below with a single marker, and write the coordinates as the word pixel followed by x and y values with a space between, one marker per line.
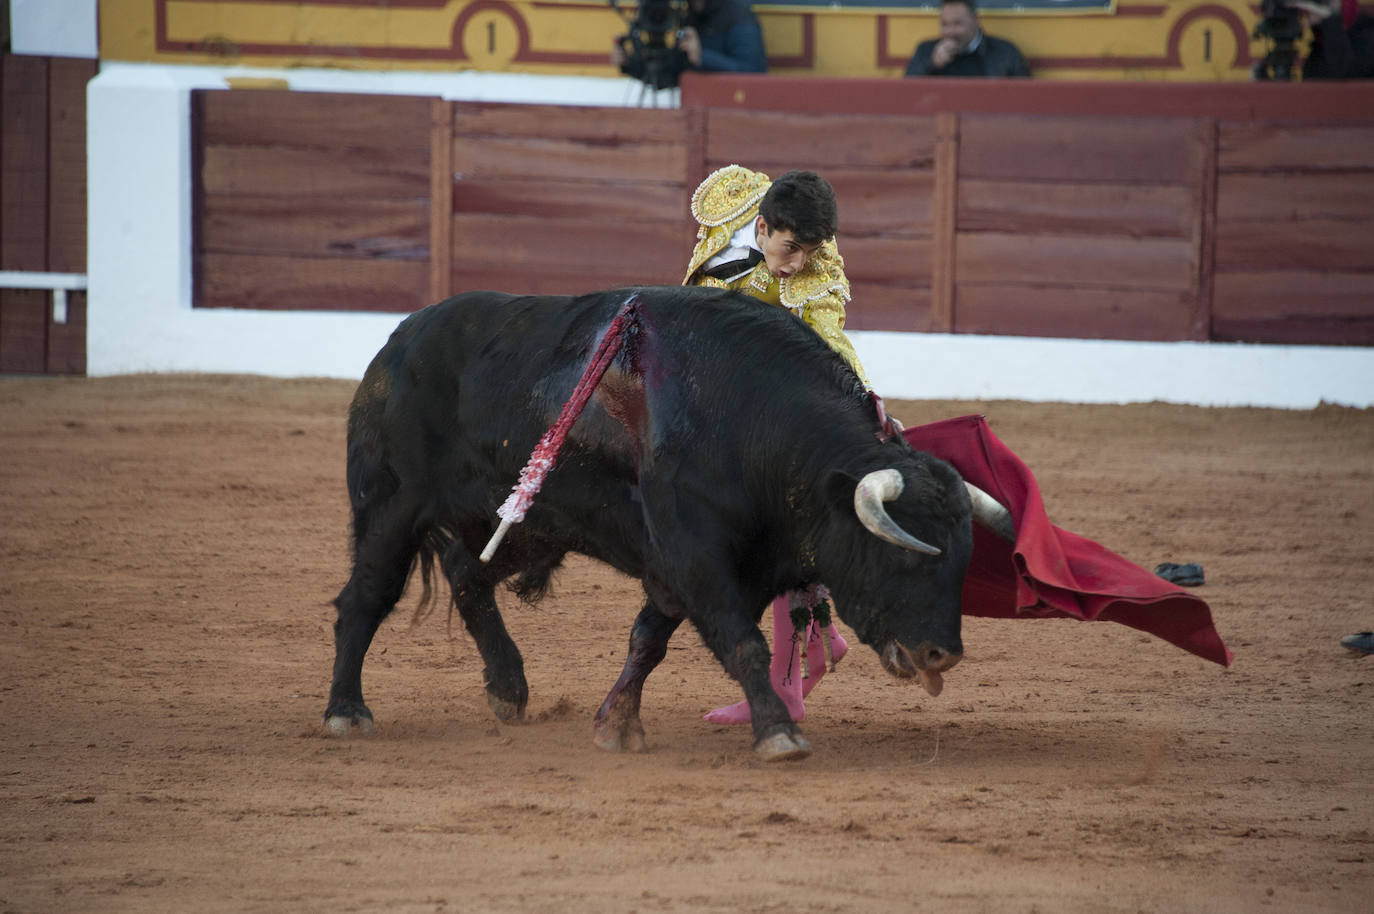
pixel 926 661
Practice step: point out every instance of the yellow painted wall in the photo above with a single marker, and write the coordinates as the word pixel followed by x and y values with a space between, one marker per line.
pixel 1180 40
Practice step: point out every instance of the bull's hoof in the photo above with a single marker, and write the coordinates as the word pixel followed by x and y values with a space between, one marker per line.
pixel 619 739
pixel 780 747
pixel 505 711
pixel 340 726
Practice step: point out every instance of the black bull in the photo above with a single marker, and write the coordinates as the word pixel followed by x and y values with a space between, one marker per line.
pixel 717 463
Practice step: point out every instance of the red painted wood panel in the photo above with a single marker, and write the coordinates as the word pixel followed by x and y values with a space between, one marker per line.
pixel 888 201
pixel 440 242
pixel 1106 223
pixel 886 258
pixel 1312 331
pixel 1080 149
pixel 67 163
pixel 775 142
pixel 24 164
pixel 1295 147
pixel 1137 210
pixel 1073 312
pixel 568 159
pixel 1274 199
pixel 278 283
pixel 640 252
pixel 1312 244
pixel 342 182
pixel 1292 294
pixel 393 126
pixel 66 353
pixel 24 330
pixel 1318 102
pixel 549 282
pixel 310 173
pixel 561 198
pixel 881 305
pixel 594 126
pixel 1078 260
pixel 327 227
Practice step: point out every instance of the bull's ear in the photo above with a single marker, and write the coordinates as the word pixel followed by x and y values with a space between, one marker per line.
pixel 838 488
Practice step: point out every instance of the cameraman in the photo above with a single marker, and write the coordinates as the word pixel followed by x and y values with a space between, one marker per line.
pixel 716 35
pixel 1342 40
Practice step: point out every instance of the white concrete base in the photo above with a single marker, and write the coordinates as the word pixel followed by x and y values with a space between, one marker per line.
pixel 946 366
pixel 139 266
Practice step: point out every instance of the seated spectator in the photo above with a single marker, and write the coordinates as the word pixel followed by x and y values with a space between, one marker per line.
pixel 716 36
pixel 963 49
pixel 1342 40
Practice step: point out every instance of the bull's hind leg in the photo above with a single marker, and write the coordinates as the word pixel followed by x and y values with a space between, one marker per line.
pixel 617 725
pixel 504 671
pixel 381 565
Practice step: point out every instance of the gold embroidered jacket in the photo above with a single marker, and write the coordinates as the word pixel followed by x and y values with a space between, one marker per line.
pixel 723 204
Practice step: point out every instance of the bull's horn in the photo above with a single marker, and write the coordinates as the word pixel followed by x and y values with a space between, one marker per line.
pixel 991 513
pixel 869 495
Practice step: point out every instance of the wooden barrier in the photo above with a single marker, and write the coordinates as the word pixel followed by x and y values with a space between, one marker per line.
pixel 43 211
pixel 1119 211
pixel 311 200
pixel 1123 212
pixel 559 199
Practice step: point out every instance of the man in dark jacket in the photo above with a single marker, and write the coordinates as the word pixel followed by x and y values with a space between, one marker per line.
pixel 716 36
pixel 1342 40
pixel 963 49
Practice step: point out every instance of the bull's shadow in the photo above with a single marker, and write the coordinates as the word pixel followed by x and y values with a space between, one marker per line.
pixel 726 456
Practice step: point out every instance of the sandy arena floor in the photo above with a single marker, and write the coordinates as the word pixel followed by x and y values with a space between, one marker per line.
pixel 169 547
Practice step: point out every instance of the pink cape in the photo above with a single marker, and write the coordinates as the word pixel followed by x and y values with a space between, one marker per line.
pixel 1051 572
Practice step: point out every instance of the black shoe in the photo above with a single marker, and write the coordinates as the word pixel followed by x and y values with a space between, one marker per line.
pixel 1189 575
pixel 1361 642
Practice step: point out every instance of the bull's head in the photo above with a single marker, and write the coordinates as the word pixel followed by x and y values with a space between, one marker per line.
pixel 906 603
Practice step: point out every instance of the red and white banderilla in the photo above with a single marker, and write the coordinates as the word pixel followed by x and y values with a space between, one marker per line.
pixel 545 453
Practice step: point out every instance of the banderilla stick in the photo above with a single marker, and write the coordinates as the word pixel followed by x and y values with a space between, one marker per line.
pixel 545 453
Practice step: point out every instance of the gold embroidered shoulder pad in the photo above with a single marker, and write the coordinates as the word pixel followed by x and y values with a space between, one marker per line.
pixel 728 193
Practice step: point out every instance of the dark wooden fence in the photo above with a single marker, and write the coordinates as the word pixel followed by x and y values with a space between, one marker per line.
pixel 311 200
pixel 1121 212
pixel 42 208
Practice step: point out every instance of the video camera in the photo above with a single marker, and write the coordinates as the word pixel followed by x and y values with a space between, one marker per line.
pixel 646 42
pixel 1282 24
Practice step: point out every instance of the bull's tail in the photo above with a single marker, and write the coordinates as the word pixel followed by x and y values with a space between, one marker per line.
pixel 425 557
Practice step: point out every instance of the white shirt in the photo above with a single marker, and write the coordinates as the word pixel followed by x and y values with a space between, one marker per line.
pixel 741 243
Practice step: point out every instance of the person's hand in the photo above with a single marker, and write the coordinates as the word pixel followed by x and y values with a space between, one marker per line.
pixel 689 43
pixel 944 53
pixel 888 427
pixel 1315 11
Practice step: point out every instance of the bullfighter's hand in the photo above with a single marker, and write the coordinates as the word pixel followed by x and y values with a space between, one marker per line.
pixel 888 427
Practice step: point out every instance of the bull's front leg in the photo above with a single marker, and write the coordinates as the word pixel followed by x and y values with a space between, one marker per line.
pixel 617 727
pixel 743 652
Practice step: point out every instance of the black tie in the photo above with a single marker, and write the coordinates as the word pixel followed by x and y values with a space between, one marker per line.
pixel 732 268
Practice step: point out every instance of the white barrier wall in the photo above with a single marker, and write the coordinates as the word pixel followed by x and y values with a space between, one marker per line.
pixel 140 317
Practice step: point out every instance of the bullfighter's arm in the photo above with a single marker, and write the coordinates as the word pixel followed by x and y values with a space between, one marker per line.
pixel 826 316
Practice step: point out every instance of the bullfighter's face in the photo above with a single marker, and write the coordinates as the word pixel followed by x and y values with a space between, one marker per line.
pixel 782 252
